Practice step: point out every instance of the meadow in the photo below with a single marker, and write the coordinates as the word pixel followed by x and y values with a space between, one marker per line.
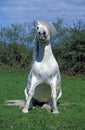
pixel 71 105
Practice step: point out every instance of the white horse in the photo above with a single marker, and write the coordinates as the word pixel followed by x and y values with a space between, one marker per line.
pixel 44 69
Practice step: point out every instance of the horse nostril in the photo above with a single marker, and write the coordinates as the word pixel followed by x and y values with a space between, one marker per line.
pixel 44 33
pixel 39 33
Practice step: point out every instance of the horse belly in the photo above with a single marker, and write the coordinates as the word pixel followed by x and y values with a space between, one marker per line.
pixel 42 93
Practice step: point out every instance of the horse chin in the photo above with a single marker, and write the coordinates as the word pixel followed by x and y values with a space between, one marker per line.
pixel 43 41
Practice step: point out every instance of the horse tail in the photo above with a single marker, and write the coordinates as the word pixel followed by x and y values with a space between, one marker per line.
pixel 15 102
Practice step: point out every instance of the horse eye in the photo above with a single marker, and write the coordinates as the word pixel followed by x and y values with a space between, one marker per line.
pixel 44 33
pixel 37 27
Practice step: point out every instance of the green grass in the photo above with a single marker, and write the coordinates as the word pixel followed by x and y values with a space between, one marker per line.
pixel 72 105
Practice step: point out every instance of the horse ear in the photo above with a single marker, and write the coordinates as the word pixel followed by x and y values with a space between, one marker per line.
pixel 38 22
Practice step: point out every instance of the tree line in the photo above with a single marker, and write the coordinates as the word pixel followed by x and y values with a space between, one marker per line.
pixel 68 46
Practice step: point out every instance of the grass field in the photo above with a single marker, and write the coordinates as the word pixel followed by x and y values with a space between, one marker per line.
pixel 72 105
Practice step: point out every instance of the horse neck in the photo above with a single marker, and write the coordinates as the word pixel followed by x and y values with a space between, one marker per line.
pixel 44 52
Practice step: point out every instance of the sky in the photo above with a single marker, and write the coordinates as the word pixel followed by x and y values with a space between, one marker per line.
pixel 20 11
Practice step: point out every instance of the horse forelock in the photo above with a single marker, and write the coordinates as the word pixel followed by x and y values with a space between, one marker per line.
pixel 42 27
pixel 49 26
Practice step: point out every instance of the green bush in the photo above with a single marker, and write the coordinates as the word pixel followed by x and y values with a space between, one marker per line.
pixel 69 51
pixel 16 55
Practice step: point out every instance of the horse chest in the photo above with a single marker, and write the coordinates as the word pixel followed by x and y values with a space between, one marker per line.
pixel 45 69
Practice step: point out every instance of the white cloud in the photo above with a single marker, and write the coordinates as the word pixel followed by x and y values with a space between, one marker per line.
pixel 29 10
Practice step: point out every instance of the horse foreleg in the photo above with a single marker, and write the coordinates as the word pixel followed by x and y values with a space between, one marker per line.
pixel 54 97
pixel 29 95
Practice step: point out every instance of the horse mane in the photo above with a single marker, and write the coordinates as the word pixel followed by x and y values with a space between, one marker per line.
pixel 36 48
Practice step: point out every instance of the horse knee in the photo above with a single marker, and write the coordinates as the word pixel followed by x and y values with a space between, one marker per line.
pixel 53 95
pixel 26 93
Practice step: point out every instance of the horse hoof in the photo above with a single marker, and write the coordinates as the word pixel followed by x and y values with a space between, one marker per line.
pixel 47 107
pixel 25 110
pixel 55 112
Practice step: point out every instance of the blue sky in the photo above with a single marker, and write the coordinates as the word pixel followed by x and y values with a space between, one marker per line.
pixel 20 11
